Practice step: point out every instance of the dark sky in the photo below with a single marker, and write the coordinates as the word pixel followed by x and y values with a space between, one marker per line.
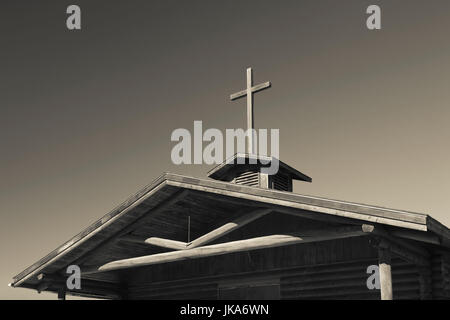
pixel 86 116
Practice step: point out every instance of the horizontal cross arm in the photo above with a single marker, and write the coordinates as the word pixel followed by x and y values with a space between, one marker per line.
pixel 253 89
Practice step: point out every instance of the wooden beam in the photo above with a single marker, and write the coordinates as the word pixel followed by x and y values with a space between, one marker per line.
pixel 149 215
pixel 231 226
pixel 226 199
pixel 179 245
pixel 132 238
pixel 85 291
pixel 384 265
pixel 88 269
pixel 166 243
pixel 238 246
pixel 408 255
pixel 228 227
pixel 440 229
pixel 288 199
pixel 144 218
pixel 416 235
pixel 311 215
pixel 56 282
pixel 210 236
pixel 412 253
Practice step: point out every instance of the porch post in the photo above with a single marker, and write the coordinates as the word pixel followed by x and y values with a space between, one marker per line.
pixel 384 264
pixel 62 294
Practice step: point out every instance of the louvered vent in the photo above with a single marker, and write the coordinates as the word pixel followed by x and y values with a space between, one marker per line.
pixel 280 182
pixel 248 170
pixel 248 178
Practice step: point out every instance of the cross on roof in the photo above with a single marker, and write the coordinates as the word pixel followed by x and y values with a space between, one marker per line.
pixel 249 93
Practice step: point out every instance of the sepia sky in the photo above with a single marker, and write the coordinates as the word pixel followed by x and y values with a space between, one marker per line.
pixel 86 116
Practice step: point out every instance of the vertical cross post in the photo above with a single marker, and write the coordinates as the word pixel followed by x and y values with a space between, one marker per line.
pixel 249 91
pixel 250 111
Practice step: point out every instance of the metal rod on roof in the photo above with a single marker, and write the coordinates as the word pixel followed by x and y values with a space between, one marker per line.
pixel 189 229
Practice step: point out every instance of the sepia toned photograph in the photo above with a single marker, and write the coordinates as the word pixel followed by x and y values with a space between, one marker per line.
pixel 248 151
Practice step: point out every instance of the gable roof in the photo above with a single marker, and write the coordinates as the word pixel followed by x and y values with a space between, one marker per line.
pixel 212 202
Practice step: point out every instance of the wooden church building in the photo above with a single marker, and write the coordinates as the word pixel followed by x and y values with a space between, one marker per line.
pixel 243 234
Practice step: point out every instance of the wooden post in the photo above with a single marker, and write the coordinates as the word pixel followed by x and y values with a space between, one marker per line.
pixel 62 294
pixel 384 262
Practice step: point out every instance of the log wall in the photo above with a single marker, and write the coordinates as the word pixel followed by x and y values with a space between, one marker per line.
pixel 323 270
pixel 329 269
pixel 440 266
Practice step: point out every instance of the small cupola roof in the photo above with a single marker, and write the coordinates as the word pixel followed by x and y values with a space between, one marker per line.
pixel 244 168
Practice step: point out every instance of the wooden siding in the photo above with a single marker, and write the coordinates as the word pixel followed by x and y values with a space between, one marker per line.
pixel 440 266
pixel 344 280
pixel 199 278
